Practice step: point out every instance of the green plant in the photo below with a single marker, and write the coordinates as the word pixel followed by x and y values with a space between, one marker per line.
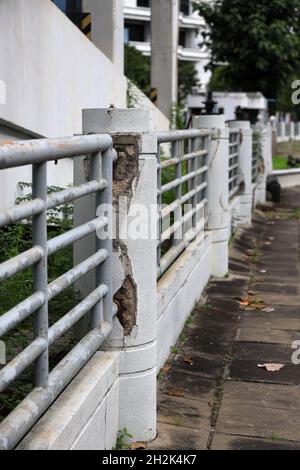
pixel 175 350
pixel 265 37
pixel 189 320
pixel 122 440
pixel 276 437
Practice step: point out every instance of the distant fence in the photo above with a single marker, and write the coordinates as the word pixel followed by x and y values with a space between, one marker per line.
pixel 287 131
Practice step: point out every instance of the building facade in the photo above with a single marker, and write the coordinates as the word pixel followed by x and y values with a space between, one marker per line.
pixel 137 17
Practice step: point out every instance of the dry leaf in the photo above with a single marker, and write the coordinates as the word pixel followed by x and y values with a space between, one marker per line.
pixel 175 392
pixel 263 271
pixel 165 370
pixel 139 446
pixel 189 360
pixel 268 243
pixel 271 239
pixel 268 310
pixel 271 367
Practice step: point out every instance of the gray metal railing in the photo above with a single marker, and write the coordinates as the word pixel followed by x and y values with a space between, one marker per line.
pixel 49 384
pixel 256 151
pixel 182 192
pixel 234 145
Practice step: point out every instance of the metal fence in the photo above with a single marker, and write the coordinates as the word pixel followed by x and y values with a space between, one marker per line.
pixel 49 384
pixel 234 146
pixel 256 152
pixel 182 192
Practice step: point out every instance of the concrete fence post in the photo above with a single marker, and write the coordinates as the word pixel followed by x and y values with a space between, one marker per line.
pixel 292 132
pixel 265 165
pixel 134 263
pixel 218 189
pixel 245 167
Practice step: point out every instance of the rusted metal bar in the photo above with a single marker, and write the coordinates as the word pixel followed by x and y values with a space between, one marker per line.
pixel 14 154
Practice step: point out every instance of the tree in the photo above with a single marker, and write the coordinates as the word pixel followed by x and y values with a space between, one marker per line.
pixel 257 40
pixel 138 70
pixel 187 79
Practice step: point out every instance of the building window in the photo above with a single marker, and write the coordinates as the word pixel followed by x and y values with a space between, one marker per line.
pixel 182 38
pixel 69 5
pixel 134 32
pixel 185 7
pixel 143 3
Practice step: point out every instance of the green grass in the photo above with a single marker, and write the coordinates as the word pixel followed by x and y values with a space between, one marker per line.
pixel 280 163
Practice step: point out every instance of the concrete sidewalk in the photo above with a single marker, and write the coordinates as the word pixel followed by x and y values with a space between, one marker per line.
pixel 213 394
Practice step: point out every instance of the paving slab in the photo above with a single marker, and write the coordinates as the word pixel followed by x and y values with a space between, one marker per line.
pixel 261 395
pixel 190 385
pixel 180 411
pixel 248 420
pixel 179 438
pixel 227 442
pixel 267 335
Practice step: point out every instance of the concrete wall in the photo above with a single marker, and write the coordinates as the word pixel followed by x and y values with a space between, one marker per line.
pixel 288 178
pixel 86 415
pixel 178 291
pixel 137 99
pixel 51 70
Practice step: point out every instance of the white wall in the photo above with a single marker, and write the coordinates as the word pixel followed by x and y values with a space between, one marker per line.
pixel 158 121
pixel 51 70
pixel 288 178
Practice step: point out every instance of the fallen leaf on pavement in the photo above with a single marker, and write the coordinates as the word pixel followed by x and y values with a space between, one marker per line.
pixel 268 310
pixel 165 370
pixel 271 239
pixel 139 446
pixel 175 392
pixel 271 367
pixel 263 271
pixel 189 360
pixel 251 304
pixel 268 243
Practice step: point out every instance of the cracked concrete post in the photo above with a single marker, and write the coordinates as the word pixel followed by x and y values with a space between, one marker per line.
pixel 245 166
pixel 218 189
pixel 134 263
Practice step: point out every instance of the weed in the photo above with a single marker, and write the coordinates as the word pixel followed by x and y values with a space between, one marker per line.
pixel 122 440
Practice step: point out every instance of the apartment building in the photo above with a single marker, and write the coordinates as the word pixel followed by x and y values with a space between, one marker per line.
pixel 137 17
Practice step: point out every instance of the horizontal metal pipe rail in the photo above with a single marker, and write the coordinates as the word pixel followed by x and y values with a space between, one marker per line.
pixel 98 304
pixel 182 168
pixel 234 149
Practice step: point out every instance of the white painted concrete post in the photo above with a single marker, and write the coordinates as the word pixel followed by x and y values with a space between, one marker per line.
pixel 108 28
pixel 266 165
pixel 292 136
pixel 245 166
pixel 218 189
pixel 164 62
pixel 134 264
